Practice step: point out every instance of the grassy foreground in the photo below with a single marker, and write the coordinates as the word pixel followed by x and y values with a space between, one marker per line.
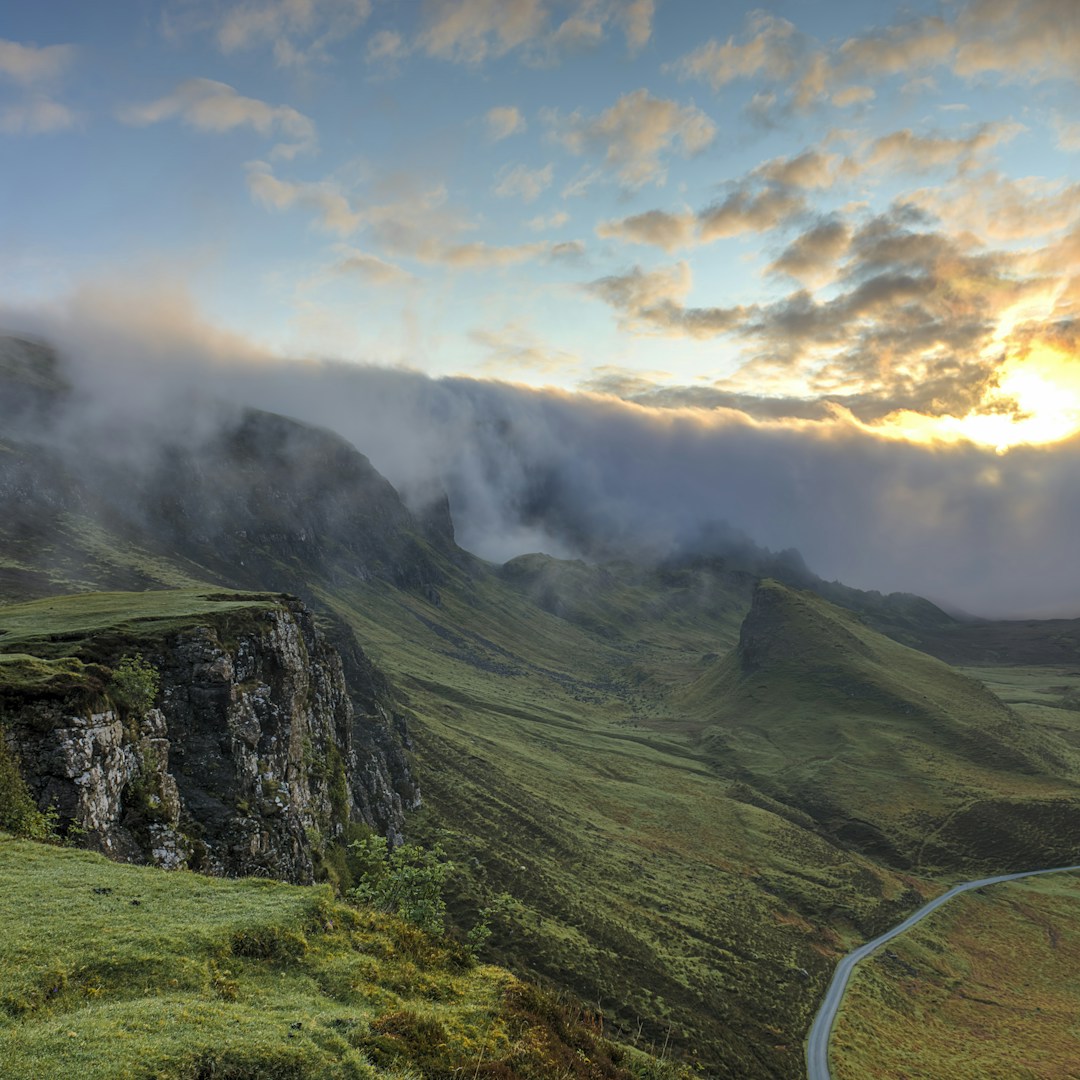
pixel 111 971
pixel 986 988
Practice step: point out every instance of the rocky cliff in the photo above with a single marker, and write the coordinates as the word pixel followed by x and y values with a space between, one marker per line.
pixel 255 758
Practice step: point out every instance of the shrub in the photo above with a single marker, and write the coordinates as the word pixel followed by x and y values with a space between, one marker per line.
pixel 407 882
pixel 134 685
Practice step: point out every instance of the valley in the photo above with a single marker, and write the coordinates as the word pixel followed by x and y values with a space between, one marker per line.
pixel 700 782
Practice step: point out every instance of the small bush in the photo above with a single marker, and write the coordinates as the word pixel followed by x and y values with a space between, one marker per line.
pixel 407 882
pixel 134 685
pixel 18 812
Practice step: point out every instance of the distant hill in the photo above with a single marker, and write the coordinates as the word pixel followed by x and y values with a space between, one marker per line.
pixel 876 740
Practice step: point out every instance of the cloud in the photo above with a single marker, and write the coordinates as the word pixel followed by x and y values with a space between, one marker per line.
pixel 210 106
pixel 540 223
pixel 914 321
pixel 354 263
pixel 30 65
pixel 414 222
pixel 652 301
pixel 36 70
pixel 744 211
pixel 35 117
pixel 504 121
pixel 1068 134
pixel 1012 39
pixel 812 257
pixel 515 348
pixel 579 474
pixel 298 31
pixel 996 207
pixel 853 95
pixel 634 134
pixel 471 31
pixel 475 31
pixel 636 18
pixel 523 183
pixel 334 212
pixel 656 227
pixel 385 47
pixel 773 49
pixel 810 169
pixel 922 153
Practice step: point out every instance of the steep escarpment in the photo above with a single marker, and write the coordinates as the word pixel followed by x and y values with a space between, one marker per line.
pixel 255 756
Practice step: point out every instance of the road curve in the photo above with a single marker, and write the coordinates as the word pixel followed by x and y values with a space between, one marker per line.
pixel 817 1044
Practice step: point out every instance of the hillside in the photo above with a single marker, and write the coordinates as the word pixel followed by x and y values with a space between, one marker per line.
pixel 689 844
pixel 983 989
pixel 888 749
pixel 114 972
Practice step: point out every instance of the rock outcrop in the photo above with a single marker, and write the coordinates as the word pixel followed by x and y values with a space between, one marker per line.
pixel 257 756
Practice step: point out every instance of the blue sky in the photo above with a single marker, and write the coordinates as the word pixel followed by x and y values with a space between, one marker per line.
pixel 819 211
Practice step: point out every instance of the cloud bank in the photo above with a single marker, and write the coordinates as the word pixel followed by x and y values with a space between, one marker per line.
pixel 585 474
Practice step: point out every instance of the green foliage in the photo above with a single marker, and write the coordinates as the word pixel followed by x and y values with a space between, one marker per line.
pixel 481 931
pixel 134 685
pixel 18 812
pixel 131 972
pixel 406 881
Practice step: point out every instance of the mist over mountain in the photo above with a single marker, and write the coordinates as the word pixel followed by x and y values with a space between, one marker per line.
pixel 592 476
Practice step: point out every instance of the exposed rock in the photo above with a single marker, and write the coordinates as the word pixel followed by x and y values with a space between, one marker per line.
pixel 258 754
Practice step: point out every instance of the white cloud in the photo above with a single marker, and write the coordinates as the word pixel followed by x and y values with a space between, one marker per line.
pixel 334 212
pixel 634 133
pixel 470 31
pixel 656 227
pixel 29 65
pixel 504 121
pixel 370 268
pixel 474 31
pixel 36 70
pixel 523 183
pixel 772 50
pixel 636 18
pixel 553 221
pixel 1068 134
pixel 35 117
pixel 386 46
pixel 298 31
pixel 216 107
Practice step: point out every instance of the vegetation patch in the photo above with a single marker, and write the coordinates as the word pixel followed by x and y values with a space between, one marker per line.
pixel 985 988
pixel 114 972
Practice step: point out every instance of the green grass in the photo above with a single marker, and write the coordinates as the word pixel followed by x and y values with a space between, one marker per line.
pixel 567 724
pixel 986 988
pixel 892 751
pixel 62 625
pixel 689 907
pixel 111 972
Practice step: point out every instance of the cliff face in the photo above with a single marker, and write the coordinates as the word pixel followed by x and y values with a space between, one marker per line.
pixel 255 758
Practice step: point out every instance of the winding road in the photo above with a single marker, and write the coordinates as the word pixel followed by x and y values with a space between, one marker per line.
pixel 817 1044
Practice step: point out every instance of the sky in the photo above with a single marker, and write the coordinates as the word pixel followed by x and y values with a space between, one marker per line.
pixel 851 230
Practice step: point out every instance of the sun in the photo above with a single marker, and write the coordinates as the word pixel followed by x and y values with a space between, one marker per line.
pixel 1035 402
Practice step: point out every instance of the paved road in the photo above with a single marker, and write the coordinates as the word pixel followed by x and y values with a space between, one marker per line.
pixel 817 1045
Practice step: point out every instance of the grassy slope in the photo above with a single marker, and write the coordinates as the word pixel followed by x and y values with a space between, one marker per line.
pixel 672 897
pixel 114 972
pixel 887 747
pixel 559 761
pixel 984 989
